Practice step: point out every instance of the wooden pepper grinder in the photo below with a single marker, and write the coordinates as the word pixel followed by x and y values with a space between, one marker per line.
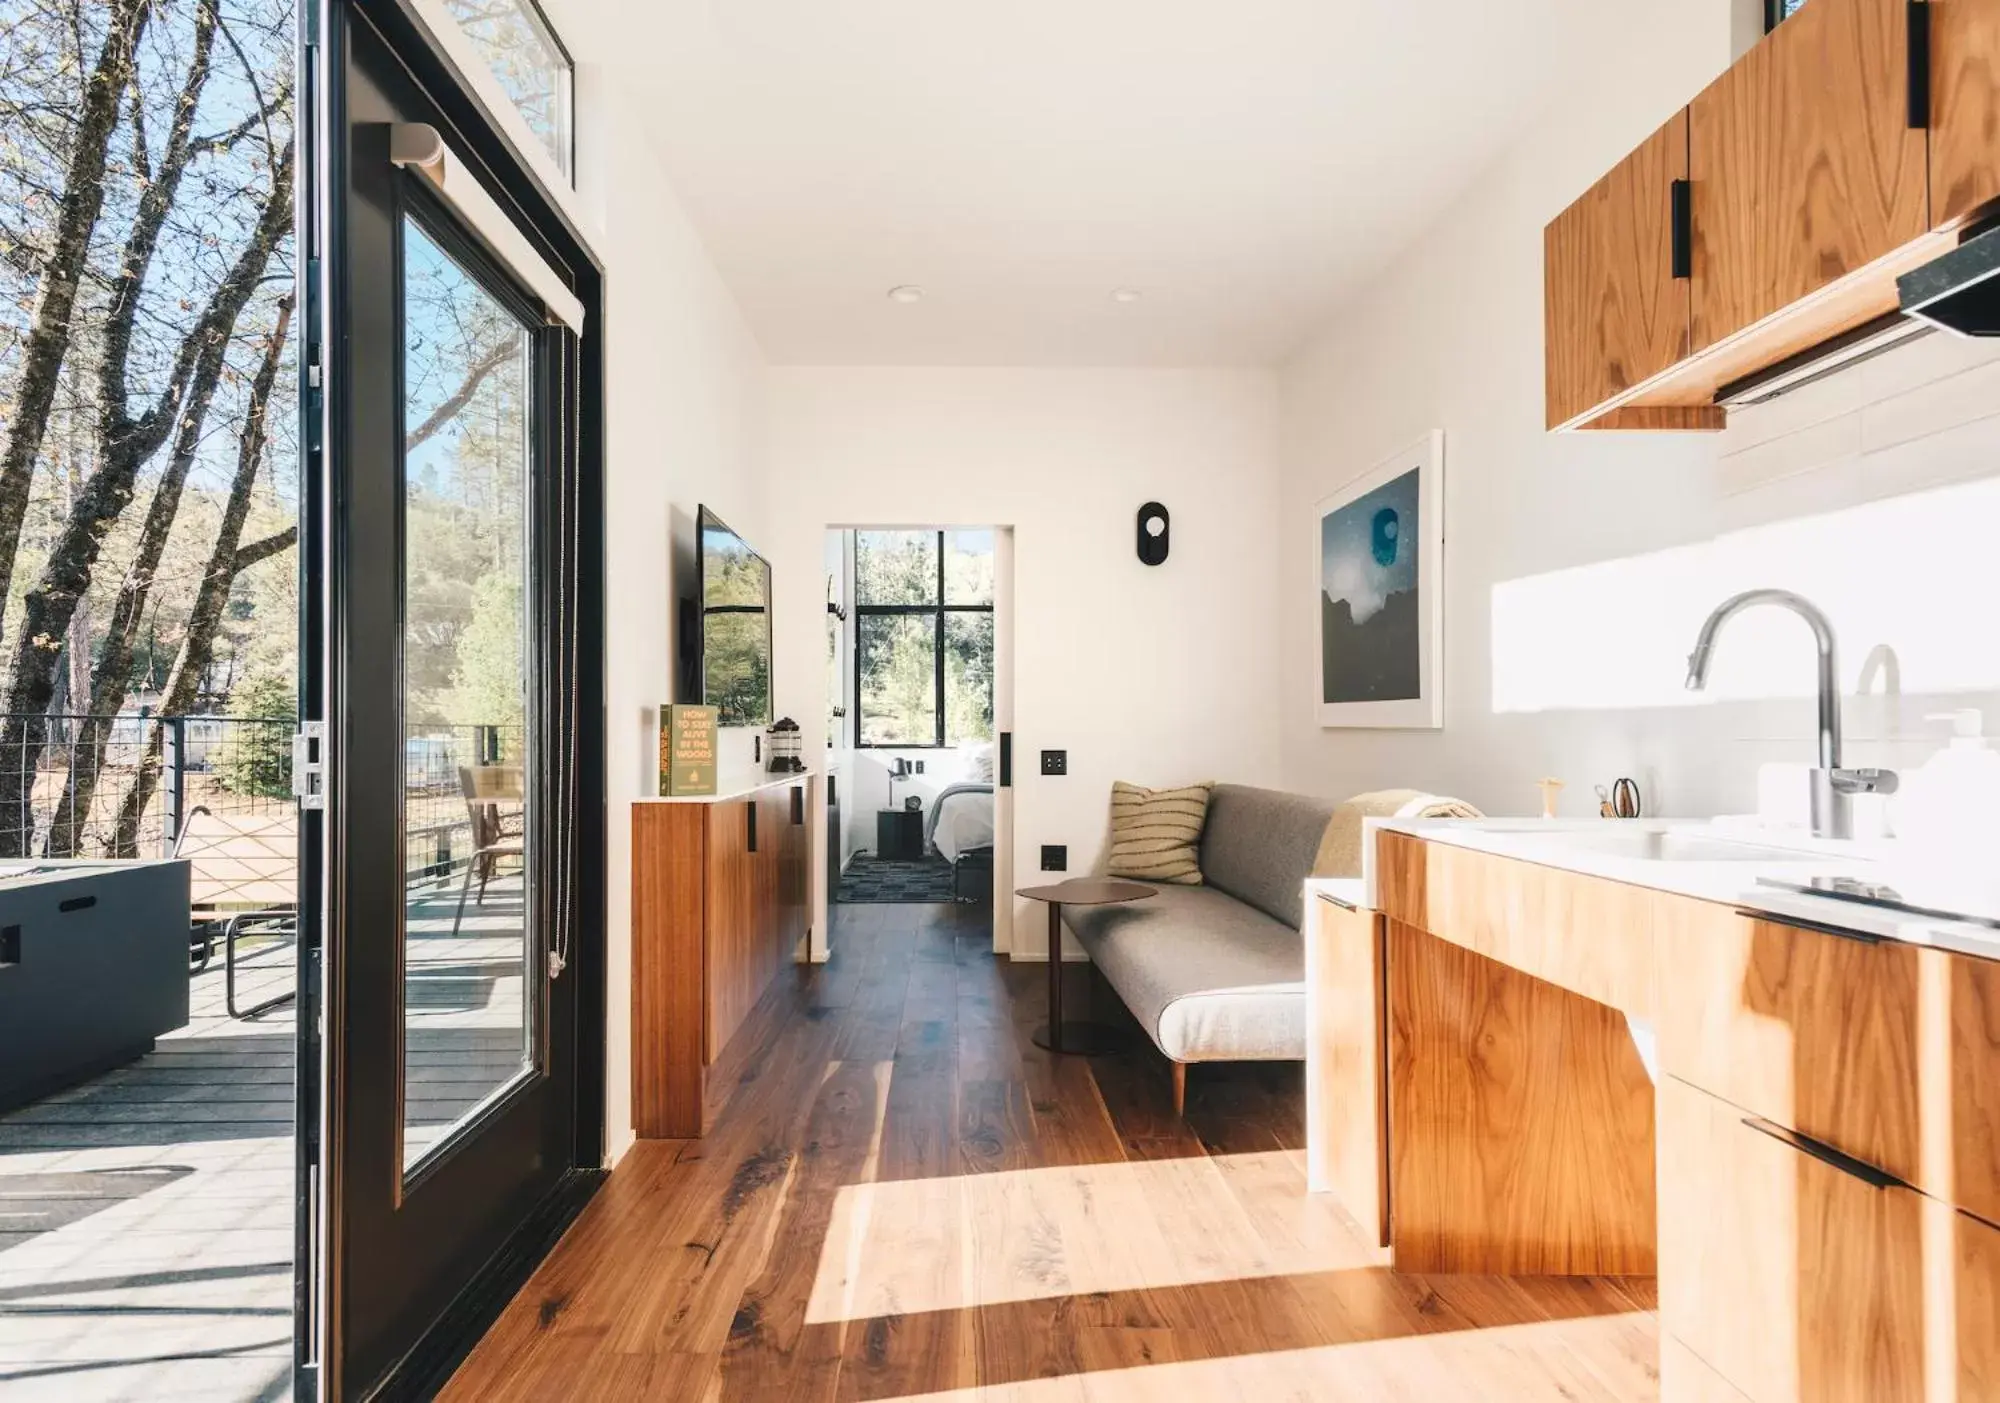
pixel 1551 793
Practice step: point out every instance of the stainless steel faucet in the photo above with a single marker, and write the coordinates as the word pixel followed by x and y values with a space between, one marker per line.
pixel 1833 788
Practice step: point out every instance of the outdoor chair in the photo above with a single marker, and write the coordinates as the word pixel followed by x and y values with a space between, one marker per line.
pixel 243 879
pixel 491 792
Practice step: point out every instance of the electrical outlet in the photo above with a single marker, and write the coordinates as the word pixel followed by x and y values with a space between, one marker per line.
pixel 920 767
pixel 1055 857
pixel 1055 762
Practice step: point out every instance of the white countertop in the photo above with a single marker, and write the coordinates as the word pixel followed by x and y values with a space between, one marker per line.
pixel 735 784
pixel 1612 849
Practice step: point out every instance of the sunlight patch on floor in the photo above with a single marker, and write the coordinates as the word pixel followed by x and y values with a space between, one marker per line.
pixel 984 1239
pixel 1554 1360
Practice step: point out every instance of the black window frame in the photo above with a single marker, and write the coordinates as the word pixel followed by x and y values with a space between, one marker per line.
pixel 940 611
pixel 1776 14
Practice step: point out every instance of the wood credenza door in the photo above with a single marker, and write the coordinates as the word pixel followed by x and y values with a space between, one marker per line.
pixel 732 963
pixel 1616 306
pixel 1804 163
pixel 1965 107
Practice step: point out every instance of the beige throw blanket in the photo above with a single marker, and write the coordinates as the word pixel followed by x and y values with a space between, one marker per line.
pixel 1340 849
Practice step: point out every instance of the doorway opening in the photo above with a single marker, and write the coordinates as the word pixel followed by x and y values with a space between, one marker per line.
pixel 914 699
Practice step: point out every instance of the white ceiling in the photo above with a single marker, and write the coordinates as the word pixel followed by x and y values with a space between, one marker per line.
pixel 1246 164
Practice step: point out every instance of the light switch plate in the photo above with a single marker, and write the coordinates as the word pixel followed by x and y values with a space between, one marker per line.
pixel 1055 762
pixel 1055 857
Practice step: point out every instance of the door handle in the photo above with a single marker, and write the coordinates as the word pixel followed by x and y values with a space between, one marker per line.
pixel 1772 918
pixel 1826 1154
pixel 1918 48
pixel 1682 215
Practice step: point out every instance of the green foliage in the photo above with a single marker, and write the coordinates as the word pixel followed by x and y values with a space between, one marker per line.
pixel 257 760
pixel 487 689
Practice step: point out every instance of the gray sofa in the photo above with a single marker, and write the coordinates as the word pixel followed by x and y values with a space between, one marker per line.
pixel 1216 973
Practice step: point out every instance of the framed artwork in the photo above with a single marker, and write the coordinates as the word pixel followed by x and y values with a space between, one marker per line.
pixel 1378 544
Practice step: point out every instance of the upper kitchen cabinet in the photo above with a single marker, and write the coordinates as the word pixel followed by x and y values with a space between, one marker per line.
pixel 1807 166
pixel 1965 107
pixel 1616 304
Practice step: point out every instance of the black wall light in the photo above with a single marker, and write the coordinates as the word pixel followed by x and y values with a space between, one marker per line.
pixel 1153 535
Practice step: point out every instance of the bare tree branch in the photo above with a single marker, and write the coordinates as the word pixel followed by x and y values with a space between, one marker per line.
pixel 264 549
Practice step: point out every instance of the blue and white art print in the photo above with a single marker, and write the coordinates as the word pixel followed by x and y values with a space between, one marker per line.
pixel 1379 552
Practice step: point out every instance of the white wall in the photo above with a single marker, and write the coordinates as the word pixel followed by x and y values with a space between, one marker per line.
pixel 684 412
pixel 1158 676
pixel 1579 568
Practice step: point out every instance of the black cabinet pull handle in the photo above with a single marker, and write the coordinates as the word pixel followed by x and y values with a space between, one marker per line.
pixel 798 805
pixel 77 903
pixel 1683 228
pixel 751 809
pixel 1919 50
pixel 1006 759
pixel 1825 1154
pixel 1772 918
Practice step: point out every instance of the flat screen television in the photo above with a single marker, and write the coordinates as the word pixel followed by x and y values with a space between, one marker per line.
pixel 726 629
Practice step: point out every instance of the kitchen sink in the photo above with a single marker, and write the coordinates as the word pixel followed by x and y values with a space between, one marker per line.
pixel 1656 845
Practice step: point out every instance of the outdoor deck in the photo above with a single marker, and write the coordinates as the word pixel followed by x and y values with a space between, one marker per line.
pixel 146 1217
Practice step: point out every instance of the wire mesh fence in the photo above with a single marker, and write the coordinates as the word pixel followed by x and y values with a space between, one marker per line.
pixel 125 786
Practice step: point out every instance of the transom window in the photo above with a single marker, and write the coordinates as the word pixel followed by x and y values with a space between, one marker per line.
pixel 519 45
pixel 923 654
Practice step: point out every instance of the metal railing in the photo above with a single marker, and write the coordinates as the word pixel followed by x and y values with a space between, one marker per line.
pixel 144 775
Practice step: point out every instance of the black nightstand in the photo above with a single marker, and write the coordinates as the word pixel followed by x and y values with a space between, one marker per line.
pixel 899 834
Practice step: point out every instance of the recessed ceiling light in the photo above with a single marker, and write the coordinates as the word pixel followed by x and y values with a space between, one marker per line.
pixel 1126 295
pixel 906 294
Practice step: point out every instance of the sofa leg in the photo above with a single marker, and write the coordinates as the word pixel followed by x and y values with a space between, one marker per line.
pixel 1180 1088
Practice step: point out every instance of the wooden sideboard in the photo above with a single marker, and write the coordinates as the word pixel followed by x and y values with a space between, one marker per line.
pixel 720 902
pixel 1814 1176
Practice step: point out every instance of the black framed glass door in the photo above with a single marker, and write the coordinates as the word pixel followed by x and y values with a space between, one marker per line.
pixel 455 1057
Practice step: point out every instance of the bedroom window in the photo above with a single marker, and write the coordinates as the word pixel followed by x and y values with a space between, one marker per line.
pixel 923 655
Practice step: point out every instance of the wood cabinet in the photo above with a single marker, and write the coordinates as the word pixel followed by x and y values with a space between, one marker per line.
pixel 1803 1277
pixel 1965 107
pixel 1887 1052
pixel 1806 167
pixel 1814 181
pixel 1583 934
pixel 1346 1063
pixel 720 902
pixel 1616 305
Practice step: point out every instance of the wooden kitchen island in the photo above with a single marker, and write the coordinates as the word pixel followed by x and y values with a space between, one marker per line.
pixel 1810 1163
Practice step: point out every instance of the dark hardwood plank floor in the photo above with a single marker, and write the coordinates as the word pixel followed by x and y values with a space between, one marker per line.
pixel 903 1198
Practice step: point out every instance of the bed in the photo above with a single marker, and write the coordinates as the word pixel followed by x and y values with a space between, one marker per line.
pixel 959 829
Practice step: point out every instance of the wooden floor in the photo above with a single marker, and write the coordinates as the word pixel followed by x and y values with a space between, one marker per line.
pixel 904 1199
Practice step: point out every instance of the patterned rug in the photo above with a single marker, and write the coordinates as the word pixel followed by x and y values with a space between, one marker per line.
pixel 871 879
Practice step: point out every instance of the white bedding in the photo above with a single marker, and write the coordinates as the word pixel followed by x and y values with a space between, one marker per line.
pixel 962 819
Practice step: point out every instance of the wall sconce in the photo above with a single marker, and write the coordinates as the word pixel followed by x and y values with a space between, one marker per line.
pixel 1153 536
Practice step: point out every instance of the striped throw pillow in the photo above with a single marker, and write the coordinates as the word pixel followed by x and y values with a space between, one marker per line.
pixel 1155 833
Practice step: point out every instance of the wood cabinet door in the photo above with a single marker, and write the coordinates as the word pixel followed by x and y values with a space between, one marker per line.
pixel 1799 1279
pixel 734 929
pixel 795 858
pixel 1347 1127
pixel 1965 107
pixel 1804 162
pixel 1616 315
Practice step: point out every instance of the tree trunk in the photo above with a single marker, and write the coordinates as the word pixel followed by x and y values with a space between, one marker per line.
pixel 126 445
pixel 225 560
pixel 49 337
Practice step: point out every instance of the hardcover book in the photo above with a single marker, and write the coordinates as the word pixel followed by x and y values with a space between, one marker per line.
pixel 687 750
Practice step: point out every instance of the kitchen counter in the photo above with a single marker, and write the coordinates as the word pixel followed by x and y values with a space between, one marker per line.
pixel 1692 859
pixel 735 784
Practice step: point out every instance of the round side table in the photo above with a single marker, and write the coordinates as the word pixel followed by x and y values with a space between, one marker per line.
pixel 1079 1039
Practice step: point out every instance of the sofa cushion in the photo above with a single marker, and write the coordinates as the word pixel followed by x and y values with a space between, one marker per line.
pixel 1155 833
pixel 1259 846
pixel 1209 978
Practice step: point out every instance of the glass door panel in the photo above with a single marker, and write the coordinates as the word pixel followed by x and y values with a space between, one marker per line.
pixel 468 448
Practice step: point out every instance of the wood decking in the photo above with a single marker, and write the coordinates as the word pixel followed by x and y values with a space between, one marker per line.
pixel 146 1217
pixel 902 1198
